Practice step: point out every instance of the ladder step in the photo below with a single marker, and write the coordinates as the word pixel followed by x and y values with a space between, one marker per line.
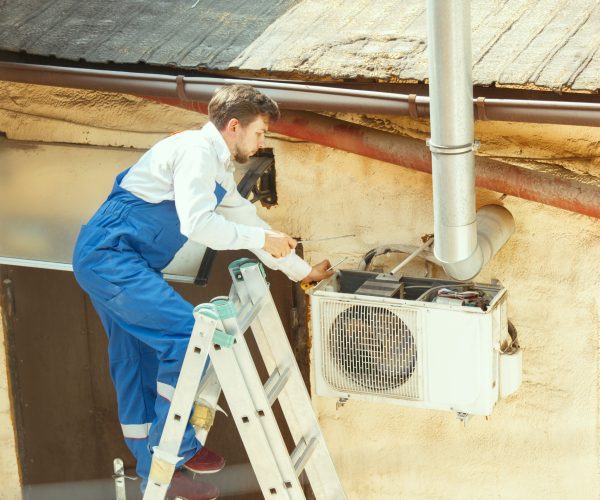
pixel 276 383
pixel 249 313
pixel 302 453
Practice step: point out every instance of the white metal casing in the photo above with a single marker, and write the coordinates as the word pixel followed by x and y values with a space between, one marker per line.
pixel 457 350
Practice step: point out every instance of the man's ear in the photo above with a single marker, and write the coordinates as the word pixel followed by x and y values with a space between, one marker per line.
pixel 232 125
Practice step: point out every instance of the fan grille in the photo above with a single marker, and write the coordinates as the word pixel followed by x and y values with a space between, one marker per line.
pixel 370 349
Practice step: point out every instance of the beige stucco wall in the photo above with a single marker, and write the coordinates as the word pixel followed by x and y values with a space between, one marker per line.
pixel 541 443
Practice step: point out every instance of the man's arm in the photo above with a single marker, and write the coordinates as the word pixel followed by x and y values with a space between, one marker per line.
pixel 238 209
pixel 195 202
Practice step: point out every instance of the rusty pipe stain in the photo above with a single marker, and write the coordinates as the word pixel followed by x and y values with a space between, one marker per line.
pixel 570 194
pixel 574 195
pixel 356 139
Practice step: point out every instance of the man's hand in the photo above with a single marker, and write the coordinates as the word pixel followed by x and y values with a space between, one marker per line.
pixel 319 272
pixel 279 244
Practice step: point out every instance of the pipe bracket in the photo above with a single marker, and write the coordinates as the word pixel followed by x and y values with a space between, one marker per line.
pixel 413 111
pixel 480 107
pixel 180 88
pixel 452 150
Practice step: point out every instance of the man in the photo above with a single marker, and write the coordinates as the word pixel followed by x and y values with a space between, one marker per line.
pixel 182 188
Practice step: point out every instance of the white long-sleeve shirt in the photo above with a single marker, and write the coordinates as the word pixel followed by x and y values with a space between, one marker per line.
pixel 185 167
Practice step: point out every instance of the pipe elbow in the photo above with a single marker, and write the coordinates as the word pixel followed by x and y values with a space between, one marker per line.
pixel 495 225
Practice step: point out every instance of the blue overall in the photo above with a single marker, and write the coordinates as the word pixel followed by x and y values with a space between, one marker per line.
pixel 117 260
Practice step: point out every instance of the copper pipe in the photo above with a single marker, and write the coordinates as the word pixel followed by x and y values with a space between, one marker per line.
pixel 297 96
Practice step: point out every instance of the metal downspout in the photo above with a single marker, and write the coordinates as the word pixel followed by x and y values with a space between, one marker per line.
pixel 461 246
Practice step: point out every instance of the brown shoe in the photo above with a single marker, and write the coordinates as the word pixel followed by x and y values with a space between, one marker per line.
pixel 205 462
pixel 183 486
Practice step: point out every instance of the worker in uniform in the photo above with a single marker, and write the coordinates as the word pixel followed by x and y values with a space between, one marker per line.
pixel 182 188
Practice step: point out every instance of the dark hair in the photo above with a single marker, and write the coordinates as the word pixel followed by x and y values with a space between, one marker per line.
pixel 242 102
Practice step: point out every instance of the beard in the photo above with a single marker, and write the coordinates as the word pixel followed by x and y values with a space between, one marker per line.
pixel 240 157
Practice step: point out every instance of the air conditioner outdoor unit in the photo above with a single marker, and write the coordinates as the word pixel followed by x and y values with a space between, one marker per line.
pixel 416 342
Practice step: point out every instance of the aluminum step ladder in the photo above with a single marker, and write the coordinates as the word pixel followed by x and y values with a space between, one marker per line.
pixel 219 334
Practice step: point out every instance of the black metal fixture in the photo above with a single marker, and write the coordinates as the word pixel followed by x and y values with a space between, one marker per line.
pixel 259 181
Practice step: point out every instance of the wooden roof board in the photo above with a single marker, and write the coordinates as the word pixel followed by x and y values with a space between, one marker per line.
pixel 542 44
pixel 158 32
pixel 524 48
pixel 549 44
pixel 576 61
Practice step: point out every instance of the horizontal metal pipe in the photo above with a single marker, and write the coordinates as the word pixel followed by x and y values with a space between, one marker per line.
pixel 356 139
pixel 287 95
pixel 297 96
pixel 572 193
pixel 513 110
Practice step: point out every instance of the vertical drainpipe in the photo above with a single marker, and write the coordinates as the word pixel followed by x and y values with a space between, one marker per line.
pixel 464 241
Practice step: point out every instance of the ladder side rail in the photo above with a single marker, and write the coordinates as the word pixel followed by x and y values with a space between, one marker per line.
pixel 303 424
pixel 266 418
pixel 250 380
pixel 294 399
pixel 165 455
pixel 248 424
pixel 208 393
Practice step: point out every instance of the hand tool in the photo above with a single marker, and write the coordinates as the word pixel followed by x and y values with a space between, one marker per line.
pixel 314 240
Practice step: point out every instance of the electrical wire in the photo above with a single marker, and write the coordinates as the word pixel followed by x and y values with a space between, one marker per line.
pixel 425 295
pixel 513 345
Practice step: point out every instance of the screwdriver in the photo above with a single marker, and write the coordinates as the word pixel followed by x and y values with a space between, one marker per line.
pixel 314 240
pixel 337 264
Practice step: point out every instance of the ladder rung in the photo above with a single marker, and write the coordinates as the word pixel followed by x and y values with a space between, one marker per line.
pixel 275 384
pixel 246 320
pixel 301 455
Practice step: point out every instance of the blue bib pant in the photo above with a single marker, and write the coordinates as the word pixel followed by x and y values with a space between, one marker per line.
pixel 117 261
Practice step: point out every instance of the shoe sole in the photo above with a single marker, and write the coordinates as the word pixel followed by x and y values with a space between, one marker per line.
pixel 214 471
pixel 183 498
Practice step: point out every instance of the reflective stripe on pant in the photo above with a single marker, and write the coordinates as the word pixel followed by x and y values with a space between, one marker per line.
pixel 144 349
pixel 117 261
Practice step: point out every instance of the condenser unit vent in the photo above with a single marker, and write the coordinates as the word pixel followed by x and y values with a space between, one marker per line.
pixel 370 349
